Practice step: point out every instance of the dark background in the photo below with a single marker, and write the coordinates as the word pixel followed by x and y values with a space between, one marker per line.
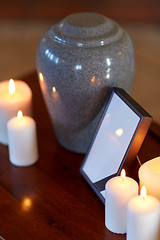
pixel 137 10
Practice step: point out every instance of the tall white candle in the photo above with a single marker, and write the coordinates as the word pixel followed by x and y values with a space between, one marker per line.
pixel 149 176
pixel 143 218
pixel 14 95
pixel 22 138
pixel 119 190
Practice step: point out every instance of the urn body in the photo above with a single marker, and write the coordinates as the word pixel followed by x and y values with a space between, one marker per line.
pixel 79 60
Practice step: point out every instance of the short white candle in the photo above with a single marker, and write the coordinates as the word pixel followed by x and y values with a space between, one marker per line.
pixel 14 95
pixel 143 218
pixel 119 190
pixel 149 176
pixel 22 138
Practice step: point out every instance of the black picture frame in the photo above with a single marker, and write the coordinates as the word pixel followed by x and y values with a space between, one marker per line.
pixel 123 144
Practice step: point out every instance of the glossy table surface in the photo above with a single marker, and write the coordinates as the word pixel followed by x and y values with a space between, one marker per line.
pixel 51 200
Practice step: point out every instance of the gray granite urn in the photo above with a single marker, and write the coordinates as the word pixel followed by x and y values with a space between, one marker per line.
pixel 79 60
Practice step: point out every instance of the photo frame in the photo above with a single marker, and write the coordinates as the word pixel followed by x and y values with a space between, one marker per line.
pixel 117 140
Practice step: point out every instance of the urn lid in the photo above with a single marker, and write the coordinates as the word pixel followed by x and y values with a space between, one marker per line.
pixel 86 30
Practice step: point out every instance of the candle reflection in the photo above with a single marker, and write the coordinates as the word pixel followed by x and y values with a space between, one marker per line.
pixel 26 204
pixel 119 132
pixel 41 77
pixel 98 81
pixel 54 93
pixel 108 115
pixel 42 82
pixel 95 81
pixel 54 89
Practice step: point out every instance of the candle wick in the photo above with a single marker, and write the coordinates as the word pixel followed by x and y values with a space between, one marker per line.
pixel 139 161
pixel 144 198
pixel 123 178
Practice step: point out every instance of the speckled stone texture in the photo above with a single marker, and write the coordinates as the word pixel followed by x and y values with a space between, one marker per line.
pixel 79 60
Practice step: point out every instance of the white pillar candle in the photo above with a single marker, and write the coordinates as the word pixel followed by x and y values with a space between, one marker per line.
pixel 149 176
pixel 119 190
pixel 143 218
pixel 22 140
pixel 14 95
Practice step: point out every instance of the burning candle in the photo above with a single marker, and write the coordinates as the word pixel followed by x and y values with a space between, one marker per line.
pixel 14 95
pixel 22 140
pixel 119 190
pixel 143 217
pixel 149 175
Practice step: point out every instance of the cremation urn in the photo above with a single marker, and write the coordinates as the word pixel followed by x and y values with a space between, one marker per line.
pixel 79 60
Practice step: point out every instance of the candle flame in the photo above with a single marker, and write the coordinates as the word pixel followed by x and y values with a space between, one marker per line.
pixel 11 87
pixel 54 89
pixel 19 114
pixel 143 192
pixel 123 173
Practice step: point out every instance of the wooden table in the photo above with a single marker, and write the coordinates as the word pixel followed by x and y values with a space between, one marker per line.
pixel 51 200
